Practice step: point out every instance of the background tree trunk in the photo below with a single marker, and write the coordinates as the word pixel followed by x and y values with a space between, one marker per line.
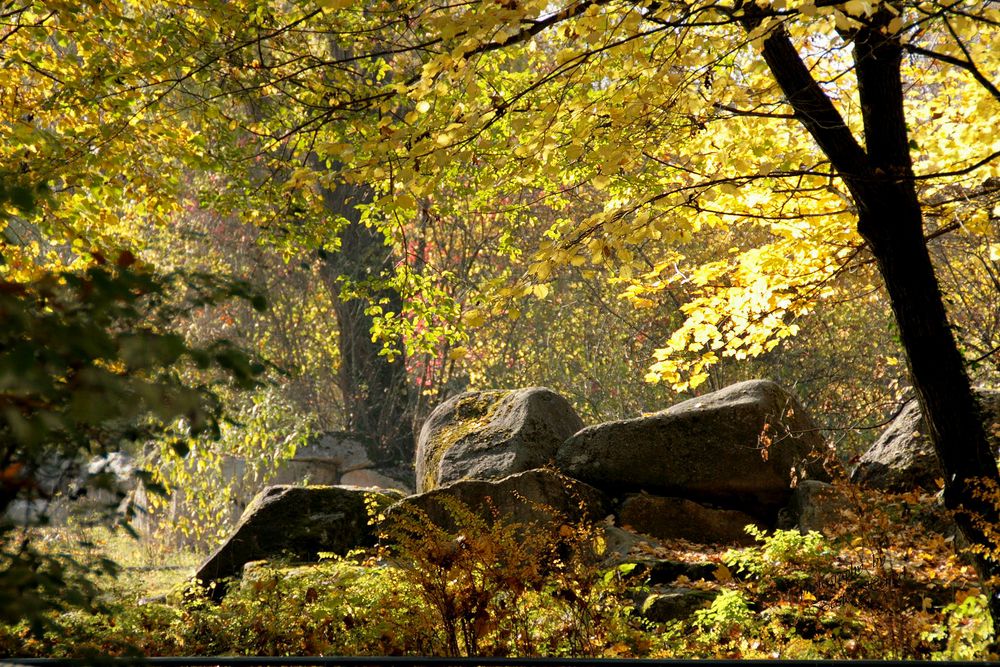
pixel 374 389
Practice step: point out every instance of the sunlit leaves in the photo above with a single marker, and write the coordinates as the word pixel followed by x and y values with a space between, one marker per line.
pixel 640 126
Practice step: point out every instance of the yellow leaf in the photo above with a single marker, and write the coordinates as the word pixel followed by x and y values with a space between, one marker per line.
pixel 473 318
pixel 542 270
pixel 855 7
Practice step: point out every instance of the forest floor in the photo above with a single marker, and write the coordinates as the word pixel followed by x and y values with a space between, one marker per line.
pixel 881 585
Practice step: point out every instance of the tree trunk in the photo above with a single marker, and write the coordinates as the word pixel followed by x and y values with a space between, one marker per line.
pixel 880 178
pixel 937 372
pixel 374 389
pixel 891 220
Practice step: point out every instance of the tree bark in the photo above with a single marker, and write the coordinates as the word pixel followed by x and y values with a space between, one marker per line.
pixel 880 179
pixel 375 390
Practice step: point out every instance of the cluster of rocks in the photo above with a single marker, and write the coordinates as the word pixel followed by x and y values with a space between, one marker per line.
pixel 64 487
pixel 341 458
pixel 701 471
pixel 337 458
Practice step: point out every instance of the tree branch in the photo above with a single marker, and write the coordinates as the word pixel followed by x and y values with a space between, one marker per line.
pixel 967 65
pixel 755 114
pixel 813 108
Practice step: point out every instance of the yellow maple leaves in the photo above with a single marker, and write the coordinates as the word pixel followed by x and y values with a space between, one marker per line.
pixel 653 136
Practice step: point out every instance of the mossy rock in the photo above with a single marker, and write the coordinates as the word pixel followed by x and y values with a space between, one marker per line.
pixel 491 435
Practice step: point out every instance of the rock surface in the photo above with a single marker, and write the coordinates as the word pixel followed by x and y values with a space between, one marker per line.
pixel 738 447
pixel 324 460
pixel 372 479
pixel 492 434
pixel 679 518
pixel 675 604
pixel 903 458
pixel 536 496
pixel 296 522
pixel 816 506
pixel 343 450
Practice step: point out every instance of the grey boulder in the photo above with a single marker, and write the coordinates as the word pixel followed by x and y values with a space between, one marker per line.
pixel 738 447
pixel 537 497
pixel 296 522
pixel 903 458
pixel 492 434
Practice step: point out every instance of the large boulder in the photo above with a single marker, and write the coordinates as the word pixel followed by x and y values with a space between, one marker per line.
pixel 296 522
pixel 679 518
pixel 739 448
pixel 533 497
pixel 492 434
pixel 903 458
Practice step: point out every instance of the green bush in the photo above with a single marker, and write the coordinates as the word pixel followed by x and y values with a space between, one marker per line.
pixel 89 363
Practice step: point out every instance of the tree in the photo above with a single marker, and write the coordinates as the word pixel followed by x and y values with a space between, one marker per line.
pixel 374 387
pixel 881 181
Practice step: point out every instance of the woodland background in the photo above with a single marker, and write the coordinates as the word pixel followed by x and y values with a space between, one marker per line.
pixel 228 226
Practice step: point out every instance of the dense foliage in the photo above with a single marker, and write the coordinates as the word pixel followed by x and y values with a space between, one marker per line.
pixel 87 367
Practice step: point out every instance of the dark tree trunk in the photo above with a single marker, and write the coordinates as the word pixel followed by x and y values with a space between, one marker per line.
pixel 374 389
pixel 937 372
pixel 880 179
pixel 891 220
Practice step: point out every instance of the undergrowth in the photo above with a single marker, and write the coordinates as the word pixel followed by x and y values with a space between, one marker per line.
pixel 882 585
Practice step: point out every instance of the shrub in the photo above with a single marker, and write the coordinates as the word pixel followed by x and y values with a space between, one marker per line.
pixel 509 588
